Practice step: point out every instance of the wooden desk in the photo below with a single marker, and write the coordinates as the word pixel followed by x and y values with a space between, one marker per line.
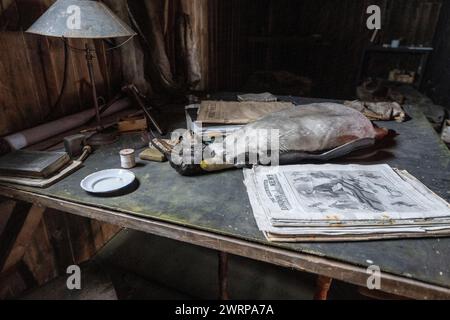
pixel 213 211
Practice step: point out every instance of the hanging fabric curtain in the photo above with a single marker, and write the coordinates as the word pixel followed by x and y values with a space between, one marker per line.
pixel 164 57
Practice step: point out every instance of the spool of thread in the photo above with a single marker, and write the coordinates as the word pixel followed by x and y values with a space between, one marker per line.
pixel 127 159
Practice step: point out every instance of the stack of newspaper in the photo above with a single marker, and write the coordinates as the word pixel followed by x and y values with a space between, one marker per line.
pixel 343 203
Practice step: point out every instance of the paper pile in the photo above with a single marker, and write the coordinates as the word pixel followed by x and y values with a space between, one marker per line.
pixel 205 129
pixel 238 113
pixel 343 203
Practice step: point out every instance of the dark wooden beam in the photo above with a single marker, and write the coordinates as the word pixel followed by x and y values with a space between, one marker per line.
pixel 6 209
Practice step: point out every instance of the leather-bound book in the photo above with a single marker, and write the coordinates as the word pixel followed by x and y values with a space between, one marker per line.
pixel 32 164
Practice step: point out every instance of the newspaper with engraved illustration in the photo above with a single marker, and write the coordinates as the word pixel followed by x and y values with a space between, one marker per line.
pixel 336 202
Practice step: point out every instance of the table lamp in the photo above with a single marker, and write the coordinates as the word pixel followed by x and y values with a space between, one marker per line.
pixel 84 19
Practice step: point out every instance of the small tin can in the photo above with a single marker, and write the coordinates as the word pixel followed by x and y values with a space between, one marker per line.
pixel 127 158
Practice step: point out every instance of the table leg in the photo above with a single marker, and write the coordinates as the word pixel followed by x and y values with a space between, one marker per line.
pixel 323 285
pixel 223 276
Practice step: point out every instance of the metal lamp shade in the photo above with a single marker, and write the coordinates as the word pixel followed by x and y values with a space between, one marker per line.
pixel 84 19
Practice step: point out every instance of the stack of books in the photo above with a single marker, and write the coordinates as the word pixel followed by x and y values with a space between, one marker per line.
pixel 35 168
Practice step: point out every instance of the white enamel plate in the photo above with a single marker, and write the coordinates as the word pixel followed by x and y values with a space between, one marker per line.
pixel 108 181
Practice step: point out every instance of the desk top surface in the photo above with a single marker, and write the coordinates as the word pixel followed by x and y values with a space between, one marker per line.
pixel 218 202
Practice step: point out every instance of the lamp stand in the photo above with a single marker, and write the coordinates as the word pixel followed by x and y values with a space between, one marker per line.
pixel 102 136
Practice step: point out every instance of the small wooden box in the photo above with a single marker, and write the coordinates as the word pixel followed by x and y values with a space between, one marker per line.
pixel 132 124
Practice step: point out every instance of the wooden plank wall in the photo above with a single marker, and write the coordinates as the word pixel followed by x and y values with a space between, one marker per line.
pixel 31 71
pixel 320 39
pixel 438 76
pixel 56 241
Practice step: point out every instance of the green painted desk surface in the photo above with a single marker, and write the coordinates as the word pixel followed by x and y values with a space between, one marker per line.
pixel 218 203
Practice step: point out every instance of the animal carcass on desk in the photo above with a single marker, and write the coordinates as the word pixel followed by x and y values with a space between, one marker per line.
pixel 319 132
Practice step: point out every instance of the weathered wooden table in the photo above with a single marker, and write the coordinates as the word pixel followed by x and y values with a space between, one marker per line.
pixel 213 211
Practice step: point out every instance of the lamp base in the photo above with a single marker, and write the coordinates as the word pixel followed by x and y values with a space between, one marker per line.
pixel 104 137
